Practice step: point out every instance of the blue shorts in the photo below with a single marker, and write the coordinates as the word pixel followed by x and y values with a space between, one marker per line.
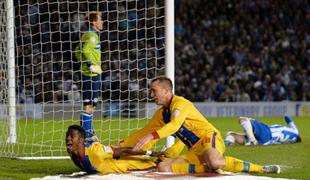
pixel 91 89
pixel 261 131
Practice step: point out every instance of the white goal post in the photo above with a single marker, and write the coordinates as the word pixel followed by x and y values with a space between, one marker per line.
pixel 40 80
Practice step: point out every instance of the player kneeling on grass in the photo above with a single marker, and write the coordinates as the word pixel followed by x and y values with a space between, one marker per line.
pixel 178 116
pixel 94 157
pixel 258 133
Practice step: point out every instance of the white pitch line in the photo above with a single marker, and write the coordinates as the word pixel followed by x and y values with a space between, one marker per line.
pixel 139 176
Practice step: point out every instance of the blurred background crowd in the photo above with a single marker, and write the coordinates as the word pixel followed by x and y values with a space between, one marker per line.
pixel 231 50
pixel 48 32
pixel 225 50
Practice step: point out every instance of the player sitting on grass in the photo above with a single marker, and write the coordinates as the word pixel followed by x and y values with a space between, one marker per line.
pixel 94 157
pixel 258 133
pixel 178 116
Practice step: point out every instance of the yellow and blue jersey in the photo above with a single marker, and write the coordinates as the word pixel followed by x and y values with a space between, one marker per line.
pixel 99 159
pixel 95 153
pixel 185 121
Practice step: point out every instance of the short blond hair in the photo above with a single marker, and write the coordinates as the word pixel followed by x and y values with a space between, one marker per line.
pixel 165 81
pixel 93 16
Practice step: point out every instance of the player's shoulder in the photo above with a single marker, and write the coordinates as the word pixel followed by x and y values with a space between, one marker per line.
pixel 93 144
pixel 90 36
pixel 180 103
pixel 180 100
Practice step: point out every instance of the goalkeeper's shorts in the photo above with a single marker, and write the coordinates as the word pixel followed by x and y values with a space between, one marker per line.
pixel 91 90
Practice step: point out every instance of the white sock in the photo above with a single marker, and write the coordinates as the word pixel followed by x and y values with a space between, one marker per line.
pixel 248 129
pixel 292 125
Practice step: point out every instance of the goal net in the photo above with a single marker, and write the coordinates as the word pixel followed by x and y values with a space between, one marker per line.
pixel 48 78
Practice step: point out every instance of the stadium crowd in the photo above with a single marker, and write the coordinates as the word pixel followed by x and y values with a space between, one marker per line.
pixel 234 50
pixel 48 31
pixel 255 50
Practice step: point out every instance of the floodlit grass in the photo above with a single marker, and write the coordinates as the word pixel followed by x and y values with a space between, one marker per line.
pixel 49 140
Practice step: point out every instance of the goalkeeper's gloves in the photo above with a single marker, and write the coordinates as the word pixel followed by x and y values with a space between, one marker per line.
pixel 95 69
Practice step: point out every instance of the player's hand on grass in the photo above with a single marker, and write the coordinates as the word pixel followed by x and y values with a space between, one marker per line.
pixel 95 69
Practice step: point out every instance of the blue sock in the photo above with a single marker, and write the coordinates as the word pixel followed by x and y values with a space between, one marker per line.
pixel 288 119
pixel 87 123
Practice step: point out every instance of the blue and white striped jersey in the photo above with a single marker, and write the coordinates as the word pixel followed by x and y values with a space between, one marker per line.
pixel 274 134
pixel 283 134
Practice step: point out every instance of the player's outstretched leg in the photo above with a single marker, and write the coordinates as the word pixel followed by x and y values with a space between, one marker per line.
pixel 237 165
pixel 185 167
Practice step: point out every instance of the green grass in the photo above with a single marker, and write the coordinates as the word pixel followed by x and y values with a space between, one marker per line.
pixel 294 158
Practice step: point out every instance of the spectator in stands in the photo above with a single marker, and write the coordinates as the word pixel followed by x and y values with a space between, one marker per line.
pixel 263 45
pixel 255 42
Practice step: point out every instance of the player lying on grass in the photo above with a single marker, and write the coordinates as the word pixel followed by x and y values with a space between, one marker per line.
pixel 94 157
pixel 178 116
pixel 258 133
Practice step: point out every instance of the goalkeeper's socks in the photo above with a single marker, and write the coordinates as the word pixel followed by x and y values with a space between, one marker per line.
pixel 237 165
pixel 87 123
pixel 184 167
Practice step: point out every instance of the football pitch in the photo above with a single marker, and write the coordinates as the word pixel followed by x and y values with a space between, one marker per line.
pixel 293 158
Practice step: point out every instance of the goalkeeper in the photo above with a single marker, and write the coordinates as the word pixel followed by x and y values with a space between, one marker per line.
pixel 258 133
pixel 180 117
pixel 93 157
pixel 89 54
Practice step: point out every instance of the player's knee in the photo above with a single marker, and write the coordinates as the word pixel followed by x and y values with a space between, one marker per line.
pixel 163 167
pixel 214 159
pixel 244 119
pixel 215 165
